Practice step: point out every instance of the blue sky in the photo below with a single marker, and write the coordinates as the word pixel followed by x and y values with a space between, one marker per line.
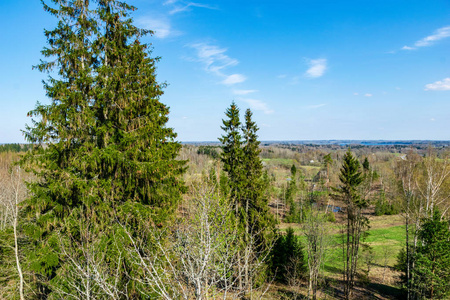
pixel 309 70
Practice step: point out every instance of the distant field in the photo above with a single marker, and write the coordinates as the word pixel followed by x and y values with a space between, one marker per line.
pixel 286 162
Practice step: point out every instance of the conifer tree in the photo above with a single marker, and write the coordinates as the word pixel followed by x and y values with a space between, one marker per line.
pixel 232 156
pixel 432 270
pixel 351 178
pixel 256 206
pixel 102 150
pixel 366 164
pixel 247 187
pixel 291 193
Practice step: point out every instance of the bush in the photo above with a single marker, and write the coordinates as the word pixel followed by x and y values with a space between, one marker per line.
pixel 331 217
pixel 383 207
pixel 287 249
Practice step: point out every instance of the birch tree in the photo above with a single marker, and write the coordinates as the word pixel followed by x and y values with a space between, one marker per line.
pixel 315 231
pixel 12 192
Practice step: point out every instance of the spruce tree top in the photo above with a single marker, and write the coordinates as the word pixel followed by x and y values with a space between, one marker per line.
pixel 350 177
pixel 232 143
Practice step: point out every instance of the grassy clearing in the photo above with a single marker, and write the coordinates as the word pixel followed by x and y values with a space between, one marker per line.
pixel 386 242
pixel 282 162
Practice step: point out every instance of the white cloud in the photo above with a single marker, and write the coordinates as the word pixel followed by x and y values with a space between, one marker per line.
pixel 317 68
pixel 161 27
pixel 368 95
pixel 316 106
pixel 356 94
pixel 258 105
pixel 439 34
pixel 233 79
pixel 243 92
pixel 181 6
pixel 443 85
pixel 214 58
pixel 215 61
pixel 432 119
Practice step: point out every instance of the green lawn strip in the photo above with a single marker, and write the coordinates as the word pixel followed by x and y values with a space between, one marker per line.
pixel 386 243
pixel 279 161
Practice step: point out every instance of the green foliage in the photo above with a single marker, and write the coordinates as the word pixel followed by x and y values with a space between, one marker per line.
pixel 350 177
pixel 291 193
pixel 15 147
pixel 357 224
pixel 383 207
pixel 211 151
pixel 327 160
pixel 232 155
pixel 102 147
pixel 331 217
pixel 255 202
pixel 247 185
pixel 366 164
pixel 288 252
pixel 432 260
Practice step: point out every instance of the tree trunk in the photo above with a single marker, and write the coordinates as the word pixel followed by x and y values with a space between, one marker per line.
pixel 16 245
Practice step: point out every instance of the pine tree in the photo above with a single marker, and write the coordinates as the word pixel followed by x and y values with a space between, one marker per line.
pixel 432 261
pixel 232 156
pixel 257 214
pixel 366 164
pixel 247 187
pixel 291 192
pixel 351 178
pixel 102 150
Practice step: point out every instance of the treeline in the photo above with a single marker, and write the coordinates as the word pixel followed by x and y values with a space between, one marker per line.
pixel 15 148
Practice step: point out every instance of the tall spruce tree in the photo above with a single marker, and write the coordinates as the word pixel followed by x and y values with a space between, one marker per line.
pixel 351 178
pixel 259 221
pixel 247 187
pixel 232 156
pixel 102 150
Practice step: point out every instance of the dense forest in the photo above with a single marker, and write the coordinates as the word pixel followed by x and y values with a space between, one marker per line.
pixel 104 203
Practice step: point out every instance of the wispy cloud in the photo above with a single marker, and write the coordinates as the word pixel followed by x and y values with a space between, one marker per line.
pixel 233 79
pixel 443 85
pixel 368 95
pixel 161 27
pixel 181 6
pixel 407 48
pixel 213 57
pixel 317 68
pixel 257 105
pixel 439 34
pixel 243 92
pixel 316 106
pixel 215 61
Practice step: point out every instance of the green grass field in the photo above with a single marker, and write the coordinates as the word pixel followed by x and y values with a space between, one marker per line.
pixel 386 242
